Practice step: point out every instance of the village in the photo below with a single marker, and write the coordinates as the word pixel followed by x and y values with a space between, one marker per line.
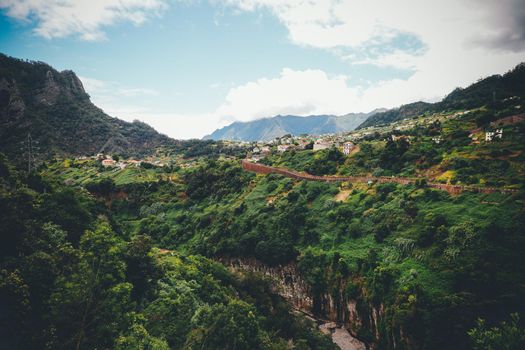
pixel 345 142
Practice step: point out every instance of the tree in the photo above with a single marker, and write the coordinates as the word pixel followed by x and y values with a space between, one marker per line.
pixel 226 327
pixel 508 336
pixel 89 306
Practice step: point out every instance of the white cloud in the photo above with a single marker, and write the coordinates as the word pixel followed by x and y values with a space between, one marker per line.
pixel 293 92
pixel 312 92
pixel 351 23
pixel 83 18
pixel 460 41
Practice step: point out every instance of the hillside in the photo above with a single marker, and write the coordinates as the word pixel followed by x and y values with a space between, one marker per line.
pixel 493 89
pixel 54 107
pixel 270 128
pixel 396 263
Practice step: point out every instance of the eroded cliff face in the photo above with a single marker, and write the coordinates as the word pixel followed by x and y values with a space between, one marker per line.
pixel 362 319
pixel 65 83
pixel 12 105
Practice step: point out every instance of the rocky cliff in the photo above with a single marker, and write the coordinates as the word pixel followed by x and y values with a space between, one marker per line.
pixel 362 319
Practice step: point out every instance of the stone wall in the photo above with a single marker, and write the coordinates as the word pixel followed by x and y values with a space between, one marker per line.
pixel 452 189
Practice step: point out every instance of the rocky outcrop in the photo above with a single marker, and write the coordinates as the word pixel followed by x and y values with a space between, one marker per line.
pixel 361 319
pixel 56 84
pixel 54 108
pixel 12 105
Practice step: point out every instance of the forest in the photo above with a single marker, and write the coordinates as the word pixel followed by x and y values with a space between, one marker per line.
pixel 415 263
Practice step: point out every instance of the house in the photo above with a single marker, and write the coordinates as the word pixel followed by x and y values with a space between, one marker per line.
pixel 302 144
pixel 121 165
pixel 256 150
pixel 283 148
pixel 265 149
pixel 491 135
pixel 400 137
pixel 134 162
pixel 320 144
pixel 108 162
pixel 348 147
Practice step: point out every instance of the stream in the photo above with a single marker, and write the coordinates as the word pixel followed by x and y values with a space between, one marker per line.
pixel 340 336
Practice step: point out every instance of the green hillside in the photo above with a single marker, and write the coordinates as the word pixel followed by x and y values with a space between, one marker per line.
pixel 486 92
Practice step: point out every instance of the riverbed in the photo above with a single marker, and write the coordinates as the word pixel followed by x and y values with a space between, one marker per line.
pixel 341 337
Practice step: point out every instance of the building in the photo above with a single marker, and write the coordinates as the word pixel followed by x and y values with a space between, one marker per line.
pixel 491 135
pixel 108 162
pixel 348 147
pixel 437 139
pixel 283 148
pixel 134 162
pixel 265 149
pixel 302 144
pixel 320 144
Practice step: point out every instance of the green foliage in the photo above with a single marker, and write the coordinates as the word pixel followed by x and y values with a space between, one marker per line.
pixel 70 278
pixel 508 336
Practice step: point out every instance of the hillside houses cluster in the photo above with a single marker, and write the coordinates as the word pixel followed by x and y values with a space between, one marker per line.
pixel 288 143
pixel 107 161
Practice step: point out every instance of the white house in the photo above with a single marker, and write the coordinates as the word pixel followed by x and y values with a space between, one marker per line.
pixel 108 162
pixel 491 135
pixel 283 148
pixel 348 147
pixel 437 139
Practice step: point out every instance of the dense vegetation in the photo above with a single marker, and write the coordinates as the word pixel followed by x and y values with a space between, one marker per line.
pixel 72 277
pixel 98 258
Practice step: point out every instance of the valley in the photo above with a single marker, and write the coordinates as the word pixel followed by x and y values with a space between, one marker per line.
pixel 389 236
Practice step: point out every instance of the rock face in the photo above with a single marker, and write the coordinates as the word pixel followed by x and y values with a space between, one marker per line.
pixel 11 103
pixel 335 310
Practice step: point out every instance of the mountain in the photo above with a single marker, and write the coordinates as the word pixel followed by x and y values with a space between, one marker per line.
pixel 270 128
pixel 55 109
pixel 490 90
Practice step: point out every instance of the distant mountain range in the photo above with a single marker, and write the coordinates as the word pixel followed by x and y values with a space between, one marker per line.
pixel 269 128
pixel 55 109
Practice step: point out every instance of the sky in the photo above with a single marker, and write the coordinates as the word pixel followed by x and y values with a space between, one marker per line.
pixel 188 67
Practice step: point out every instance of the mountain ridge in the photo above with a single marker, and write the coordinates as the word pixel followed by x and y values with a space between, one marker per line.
pixel 265 129
pixel 485 91
pixel 55 109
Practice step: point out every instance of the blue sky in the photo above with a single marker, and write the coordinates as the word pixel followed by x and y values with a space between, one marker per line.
pixel 188 67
